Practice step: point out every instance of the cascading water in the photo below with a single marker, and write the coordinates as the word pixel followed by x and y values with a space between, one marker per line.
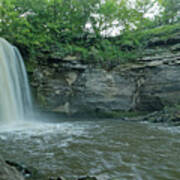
pixel 15 98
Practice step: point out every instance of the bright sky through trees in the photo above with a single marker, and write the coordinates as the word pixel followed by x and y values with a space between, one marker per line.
pixel 83 27
pixel 149 8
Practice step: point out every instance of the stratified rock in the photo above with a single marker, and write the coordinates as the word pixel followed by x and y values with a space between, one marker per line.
pixel 147 87
pixel 98 91
pixel 71 87
pixel 9 173
pixel 161 88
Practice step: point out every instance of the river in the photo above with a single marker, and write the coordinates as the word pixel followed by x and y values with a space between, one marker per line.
pixel 107 149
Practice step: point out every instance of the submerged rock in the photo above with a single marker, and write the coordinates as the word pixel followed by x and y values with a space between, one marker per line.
pixel 87 178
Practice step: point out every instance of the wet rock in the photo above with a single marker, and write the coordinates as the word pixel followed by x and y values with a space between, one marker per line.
pixel 169 115
pixel 87 178
pixel 63 109
pixel 8 172
pixel 58 178
pixel 21 168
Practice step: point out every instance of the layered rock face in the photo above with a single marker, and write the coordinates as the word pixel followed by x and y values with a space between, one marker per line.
pixel 81 91
pixel 160 88
pixel 71 87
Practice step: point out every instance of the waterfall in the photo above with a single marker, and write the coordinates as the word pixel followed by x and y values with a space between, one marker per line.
pixel 15 98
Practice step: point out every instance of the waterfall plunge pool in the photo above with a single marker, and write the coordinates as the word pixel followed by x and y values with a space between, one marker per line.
pixel 107 149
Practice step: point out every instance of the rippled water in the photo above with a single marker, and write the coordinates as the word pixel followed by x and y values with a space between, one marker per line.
pixel 108 149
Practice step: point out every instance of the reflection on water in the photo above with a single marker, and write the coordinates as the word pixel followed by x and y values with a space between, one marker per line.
pixel 108 149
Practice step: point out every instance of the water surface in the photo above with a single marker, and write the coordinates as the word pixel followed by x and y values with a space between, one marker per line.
pixel 108 149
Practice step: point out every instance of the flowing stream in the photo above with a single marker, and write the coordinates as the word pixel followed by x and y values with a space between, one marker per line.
pixel 109 149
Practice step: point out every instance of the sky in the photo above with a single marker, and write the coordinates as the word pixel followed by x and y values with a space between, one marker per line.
pixel 114 31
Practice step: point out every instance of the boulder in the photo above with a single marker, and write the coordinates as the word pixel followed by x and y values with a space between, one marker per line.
pixel 20 167
pixel 8 172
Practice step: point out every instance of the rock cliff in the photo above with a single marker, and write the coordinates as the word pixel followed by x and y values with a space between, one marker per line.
pixel 71 87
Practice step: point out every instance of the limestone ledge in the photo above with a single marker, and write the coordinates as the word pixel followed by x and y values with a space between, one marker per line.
pixel 72 87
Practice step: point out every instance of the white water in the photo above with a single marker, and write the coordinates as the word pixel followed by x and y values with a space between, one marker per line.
pixel 15 98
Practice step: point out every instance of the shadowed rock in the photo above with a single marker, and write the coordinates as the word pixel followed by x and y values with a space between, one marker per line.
pixel 9 173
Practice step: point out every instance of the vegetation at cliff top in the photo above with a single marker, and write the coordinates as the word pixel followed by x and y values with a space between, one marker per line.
pixel 92 30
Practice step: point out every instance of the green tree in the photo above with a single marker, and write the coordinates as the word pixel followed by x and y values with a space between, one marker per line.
pixel 60 26
pixel 170 11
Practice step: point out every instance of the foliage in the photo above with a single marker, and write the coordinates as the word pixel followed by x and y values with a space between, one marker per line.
pixel 130 115
pixel 141 38
pixel 42 28
pixel 170 13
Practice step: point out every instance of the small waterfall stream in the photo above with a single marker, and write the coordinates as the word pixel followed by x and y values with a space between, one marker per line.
pixel 15 98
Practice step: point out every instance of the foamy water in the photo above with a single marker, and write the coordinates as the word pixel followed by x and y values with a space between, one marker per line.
pixel 107 149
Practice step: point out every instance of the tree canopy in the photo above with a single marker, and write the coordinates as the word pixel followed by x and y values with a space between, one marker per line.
pixel 81 27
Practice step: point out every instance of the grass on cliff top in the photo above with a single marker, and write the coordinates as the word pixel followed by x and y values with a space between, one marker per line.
pixel 109 52
pixel 162 31
pixel 121 114
pixel 129 46
pixel 141 39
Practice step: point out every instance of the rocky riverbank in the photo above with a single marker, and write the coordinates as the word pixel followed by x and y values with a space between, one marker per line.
pixel 73 88
pixel 13 171
pixel 8 172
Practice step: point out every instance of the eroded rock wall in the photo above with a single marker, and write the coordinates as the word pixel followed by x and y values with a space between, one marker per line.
pixel 71 87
